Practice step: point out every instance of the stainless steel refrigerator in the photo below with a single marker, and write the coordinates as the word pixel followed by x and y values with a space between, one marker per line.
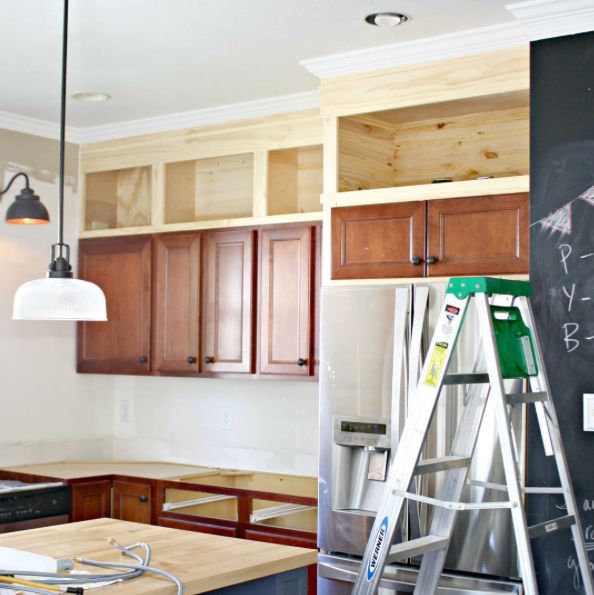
pixel 372 342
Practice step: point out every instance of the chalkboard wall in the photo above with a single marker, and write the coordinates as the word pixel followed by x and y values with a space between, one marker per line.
pixel 562 273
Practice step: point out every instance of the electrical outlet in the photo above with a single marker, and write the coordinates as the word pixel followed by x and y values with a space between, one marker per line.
pixel 125 416
pixel 226 419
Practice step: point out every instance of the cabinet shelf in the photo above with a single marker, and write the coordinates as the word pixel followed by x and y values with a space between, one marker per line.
pixel 457 140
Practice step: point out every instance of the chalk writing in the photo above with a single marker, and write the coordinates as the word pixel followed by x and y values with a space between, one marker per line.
pixel 561 219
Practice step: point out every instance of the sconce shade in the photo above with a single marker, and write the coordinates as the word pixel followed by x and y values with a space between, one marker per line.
pixel 27 209
pixel 59 299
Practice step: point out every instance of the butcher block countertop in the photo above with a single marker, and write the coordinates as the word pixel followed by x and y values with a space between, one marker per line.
pixel 203 562
pixel 68 470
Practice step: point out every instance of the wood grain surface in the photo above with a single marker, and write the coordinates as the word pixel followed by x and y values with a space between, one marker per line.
pixel 203 562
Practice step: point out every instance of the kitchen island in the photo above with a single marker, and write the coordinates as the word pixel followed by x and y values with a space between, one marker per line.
pixel 204 563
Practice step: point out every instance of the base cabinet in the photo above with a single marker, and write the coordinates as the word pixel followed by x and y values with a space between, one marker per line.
pixel 132 502
pixel 90 500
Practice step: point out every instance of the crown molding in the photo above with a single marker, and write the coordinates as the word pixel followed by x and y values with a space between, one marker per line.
pixel 451 45
pixel 208 116
pixel 43 128
pixel 214 115
pixel 553 18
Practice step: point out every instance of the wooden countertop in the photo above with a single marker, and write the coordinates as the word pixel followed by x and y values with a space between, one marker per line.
pixel 67 470
pixel 203 562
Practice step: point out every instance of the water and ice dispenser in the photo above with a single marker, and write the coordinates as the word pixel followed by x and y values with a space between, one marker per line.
pixel 360 464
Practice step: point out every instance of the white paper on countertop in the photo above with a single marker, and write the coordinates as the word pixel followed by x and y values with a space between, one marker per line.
pixel 12 559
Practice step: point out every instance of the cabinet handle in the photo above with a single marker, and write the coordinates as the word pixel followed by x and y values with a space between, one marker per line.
pixel 416 261
pixel 143 498
pixel 208 359
pixel 301 361
pixel 431 260
pixel 191 359
pixel 143 359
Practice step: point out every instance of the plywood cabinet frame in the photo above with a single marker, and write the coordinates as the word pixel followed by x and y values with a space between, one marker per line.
pixel 256 138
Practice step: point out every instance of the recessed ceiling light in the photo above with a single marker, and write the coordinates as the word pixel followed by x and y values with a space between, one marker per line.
pixel 386 19
pixel 91 96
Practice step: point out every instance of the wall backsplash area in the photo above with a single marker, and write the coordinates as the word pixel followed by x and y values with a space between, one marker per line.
pixel 261 425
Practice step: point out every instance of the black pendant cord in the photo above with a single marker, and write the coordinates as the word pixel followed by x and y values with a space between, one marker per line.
pixel 21 173
pixel 62 129
pixel 60 252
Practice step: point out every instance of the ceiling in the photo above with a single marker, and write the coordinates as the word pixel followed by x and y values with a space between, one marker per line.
pixel 160 57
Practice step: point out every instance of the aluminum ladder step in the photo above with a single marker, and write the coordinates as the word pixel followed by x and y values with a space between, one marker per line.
pixel 441 464
pixel 551 526
pixel 416 547
pixel 470 378
pixel 519 398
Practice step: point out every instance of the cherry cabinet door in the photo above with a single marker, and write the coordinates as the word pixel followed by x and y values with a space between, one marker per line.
pixel 228 301
pixel 286 301
pixel 480 235
pixel 378 241
pixel 90 500
pixel 132 501
pixel 176 300
pixel 121 267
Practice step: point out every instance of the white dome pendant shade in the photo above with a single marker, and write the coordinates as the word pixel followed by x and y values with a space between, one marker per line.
pixel 59 299
pixel 60 296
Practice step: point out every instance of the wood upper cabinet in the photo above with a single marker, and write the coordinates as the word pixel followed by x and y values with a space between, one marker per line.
pixel 176 303
pixel 90 500
pixel 228 301
pixel 122 268
pixel 286 301
pixel 478 235
pixel 132 501
pixel 375 241
pixel 482 235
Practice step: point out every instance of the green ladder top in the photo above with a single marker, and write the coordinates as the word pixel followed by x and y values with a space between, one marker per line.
pixel 462 287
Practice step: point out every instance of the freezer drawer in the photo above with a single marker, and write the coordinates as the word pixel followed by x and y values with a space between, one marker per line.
pixel 336 576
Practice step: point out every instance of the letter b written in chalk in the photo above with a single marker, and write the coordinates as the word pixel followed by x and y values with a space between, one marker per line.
pixel 569 330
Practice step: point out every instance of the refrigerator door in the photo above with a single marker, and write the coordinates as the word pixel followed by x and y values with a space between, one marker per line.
pixel 355 384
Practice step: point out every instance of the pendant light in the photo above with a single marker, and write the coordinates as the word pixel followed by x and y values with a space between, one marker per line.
pixel 26 209
pixel 59 296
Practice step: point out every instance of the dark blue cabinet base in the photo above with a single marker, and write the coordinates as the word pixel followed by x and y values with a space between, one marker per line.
pixel 293 582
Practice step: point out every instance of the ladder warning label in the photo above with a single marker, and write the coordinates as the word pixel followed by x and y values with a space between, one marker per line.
pixel 436 364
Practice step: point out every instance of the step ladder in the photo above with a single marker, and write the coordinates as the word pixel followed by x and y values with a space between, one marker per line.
pixel 508 348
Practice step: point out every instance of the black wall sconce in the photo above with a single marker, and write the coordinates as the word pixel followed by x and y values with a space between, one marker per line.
pixel 26 209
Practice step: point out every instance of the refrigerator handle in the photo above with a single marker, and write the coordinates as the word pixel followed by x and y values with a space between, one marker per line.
pixel 335 571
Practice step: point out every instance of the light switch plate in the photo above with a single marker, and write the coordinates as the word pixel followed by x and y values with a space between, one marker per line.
pixel 588 412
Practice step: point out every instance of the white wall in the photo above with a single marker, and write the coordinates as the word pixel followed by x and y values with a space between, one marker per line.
pixel 47 411
pixel 271 425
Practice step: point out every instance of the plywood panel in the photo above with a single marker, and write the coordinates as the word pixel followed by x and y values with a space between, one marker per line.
pixel 295 180
pixel 444 80
pixel 224 187
pixel 100 199
pixel 133 197
pixel 180 188
pixel 390 149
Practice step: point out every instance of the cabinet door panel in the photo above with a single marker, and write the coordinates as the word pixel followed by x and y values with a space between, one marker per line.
pixel 480 235
pixel 378 241
pixel 122 268
pixel 176 303
pixel 132 501
pixel 286 306
pixel 90 500
pixel 228 301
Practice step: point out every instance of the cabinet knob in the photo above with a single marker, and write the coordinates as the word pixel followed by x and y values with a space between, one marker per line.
pixel 301 361
pixel 431 259
pixel 143 498
pixel 416 260
pixel 208 359
pixel 191 359
pixel 143 359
